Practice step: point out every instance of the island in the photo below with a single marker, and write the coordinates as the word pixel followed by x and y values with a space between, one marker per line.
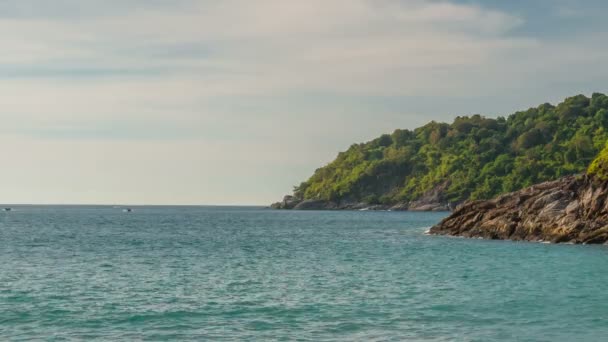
pixel 440 166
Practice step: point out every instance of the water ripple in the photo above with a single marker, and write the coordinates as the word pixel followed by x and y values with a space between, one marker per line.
pixel 197 273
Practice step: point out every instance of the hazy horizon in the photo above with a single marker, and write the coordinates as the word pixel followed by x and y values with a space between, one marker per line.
pixel 233 102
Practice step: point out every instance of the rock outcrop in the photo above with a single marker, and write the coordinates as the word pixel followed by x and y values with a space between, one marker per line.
pixel 329 205
pixel 288 202
pixel 573 209
pixel 432 200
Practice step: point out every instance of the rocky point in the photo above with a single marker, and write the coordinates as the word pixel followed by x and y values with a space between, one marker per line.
pixel 572 209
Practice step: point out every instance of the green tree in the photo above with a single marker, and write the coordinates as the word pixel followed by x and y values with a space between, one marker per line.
pixel 474 157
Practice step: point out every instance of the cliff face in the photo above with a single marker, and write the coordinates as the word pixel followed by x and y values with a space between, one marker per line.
pixel 572 209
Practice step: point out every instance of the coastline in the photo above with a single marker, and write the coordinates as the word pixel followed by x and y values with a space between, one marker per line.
pixel 291 203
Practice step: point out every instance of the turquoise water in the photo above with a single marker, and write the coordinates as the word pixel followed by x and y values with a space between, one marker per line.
pixel 188 273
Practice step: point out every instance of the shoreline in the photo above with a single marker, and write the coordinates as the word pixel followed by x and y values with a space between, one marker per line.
pixel 291 203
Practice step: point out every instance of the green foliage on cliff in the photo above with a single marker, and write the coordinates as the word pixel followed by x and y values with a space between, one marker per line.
pixel 599 167
pixel 473 158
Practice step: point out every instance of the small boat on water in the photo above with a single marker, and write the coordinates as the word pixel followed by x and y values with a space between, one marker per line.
pixel 127 210
pixel 8 209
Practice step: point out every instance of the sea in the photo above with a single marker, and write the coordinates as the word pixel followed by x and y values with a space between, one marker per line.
pixel 73 273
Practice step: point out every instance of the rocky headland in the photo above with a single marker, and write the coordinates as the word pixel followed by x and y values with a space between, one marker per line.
pixel 572 209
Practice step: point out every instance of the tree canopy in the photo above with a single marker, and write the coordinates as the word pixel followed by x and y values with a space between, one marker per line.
pixel 477 157
pixel 599 167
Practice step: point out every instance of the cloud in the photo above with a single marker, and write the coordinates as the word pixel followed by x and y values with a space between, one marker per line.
pixel 131 63
pixel 267 47
pixel 272 88
pixel 238 37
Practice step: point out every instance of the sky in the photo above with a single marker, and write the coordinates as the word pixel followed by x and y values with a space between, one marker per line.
pixel 235 101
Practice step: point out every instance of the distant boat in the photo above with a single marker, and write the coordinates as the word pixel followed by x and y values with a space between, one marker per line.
pixel 127 210
pixel 7 209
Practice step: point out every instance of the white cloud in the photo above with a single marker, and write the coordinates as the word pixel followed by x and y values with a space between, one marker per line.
pixel 203 89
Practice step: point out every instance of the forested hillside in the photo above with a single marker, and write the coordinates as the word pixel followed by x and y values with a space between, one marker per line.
pixel 474 157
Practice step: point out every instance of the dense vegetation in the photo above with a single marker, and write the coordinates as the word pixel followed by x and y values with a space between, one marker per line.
pixel 473 158
pixel 599 167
